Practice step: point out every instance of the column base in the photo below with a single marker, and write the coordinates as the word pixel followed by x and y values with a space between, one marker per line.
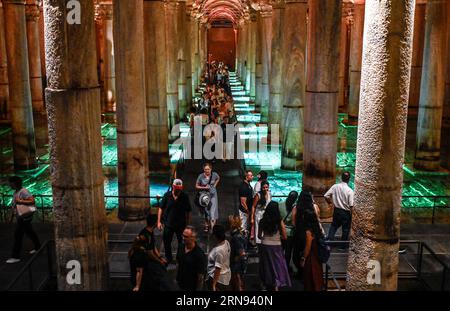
pixel 352 120
pixel 291 164
pixel 427 165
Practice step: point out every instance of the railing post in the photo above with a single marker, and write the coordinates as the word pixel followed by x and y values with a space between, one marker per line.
pixel 434 208
pixel 30 277
pixel 49 260
pixel 419 264
pixel 443 278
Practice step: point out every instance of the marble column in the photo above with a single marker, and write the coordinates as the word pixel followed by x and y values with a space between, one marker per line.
pixel 321 109
pixel 259 69
pixel 276 69
pixel 32 13
pixel 194 54
pixel 244 53
pixel 253 35
pixel 293 83
pixel 248 51
pixel 355 61
pixel 110 71
pixel 23 136
pixel 374 242
pixel 266 43
pixel 344 56
pixel 417 57
pixel 100 13
pixel 188 44
pixel 4 107
pixel 155 78
pixel 73 106
pixel 432 86
pixel 132 140
pixel 181 32
pixel 172 63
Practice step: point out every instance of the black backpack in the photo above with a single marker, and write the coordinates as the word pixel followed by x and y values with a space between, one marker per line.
pixel 324 250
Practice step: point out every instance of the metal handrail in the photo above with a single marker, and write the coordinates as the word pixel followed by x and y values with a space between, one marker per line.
pixel 416 274
pixel 27 268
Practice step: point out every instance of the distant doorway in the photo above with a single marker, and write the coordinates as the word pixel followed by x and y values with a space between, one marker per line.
pixel 222 46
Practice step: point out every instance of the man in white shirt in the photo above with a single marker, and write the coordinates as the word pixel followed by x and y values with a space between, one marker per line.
pixel 341 196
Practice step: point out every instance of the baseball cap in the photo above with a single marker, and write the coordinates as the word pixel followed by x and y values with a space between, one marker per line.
pixel 177 184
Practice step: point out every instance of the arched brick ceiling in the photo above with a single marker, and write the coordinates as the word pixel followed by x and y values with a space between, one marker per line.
pixel 213 10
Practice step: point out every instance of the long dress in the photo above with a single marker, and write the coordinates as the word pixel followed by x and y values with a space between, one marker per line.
pixel 213 213
pixel 312 271
pixel 259 213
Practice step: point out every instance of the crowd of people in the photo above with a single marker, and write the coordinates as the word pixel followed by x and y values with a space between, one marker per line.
pixel 286 236
pixel 215 108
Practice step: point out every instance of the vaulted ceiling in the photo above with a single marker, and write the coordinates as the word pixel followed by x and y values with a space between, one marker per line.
pixel 211 11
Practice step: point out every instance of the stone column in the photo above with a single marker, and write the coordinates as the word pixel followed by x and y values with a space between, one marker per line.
pixel 293 83
pixel 132 144
pixel 100 13
pixel 355 60
pixel 321 98
pixel 266 43
pixel 4 107
pixel 251 54
pixel 417 57
pixel 244 53
pixel 432 86
pixel 385 78
pixel 188 44
pixel 277 70
pixel 110 71
pixel 23 140
pixel 344 55
pixel 181 32
pixel 32 13
pixel 172 63
pixel 194 54
pixel 259 69
pixel 155 76
pixel 73 106
pixel 253 35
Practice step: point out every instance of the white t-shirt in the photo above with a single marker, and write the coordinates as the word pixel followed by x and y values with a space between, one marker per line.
pixel 219 257
pixel 342 196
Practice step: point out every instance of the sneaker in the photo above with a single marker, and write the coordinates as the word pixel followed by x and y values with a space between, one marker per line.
pixel 32 251
pixel 13 260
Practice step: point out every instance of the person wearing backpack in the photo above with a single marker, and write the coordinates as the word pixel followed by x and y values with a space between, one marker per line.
pixel 22 200
pixel 312 258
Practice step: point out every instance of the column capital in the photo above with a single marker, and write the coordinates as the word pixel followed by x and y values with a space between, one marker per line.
pixel 14 2
pixel 170 4
pixel 32 12
pixel 277 4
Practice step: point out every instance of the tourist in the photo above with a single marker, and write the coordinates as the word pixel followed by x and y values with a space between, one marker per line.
pixel 286 209
pixel 175 209
pixel 304 202
pixel 207 181
pixel 138 257
pixel 312 268
pixel 341 197
pixel 149 236
pixel 262 176
pixel 238 257
pixel 273 270
pixel 219 273
pixel 192 263
pixel 246 201
pixel 23 204
pixel 260 202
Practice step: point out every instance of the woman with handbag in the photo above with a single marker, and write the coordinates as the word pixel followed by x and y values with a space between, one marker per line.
pixel 207 181
pixel 23 208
